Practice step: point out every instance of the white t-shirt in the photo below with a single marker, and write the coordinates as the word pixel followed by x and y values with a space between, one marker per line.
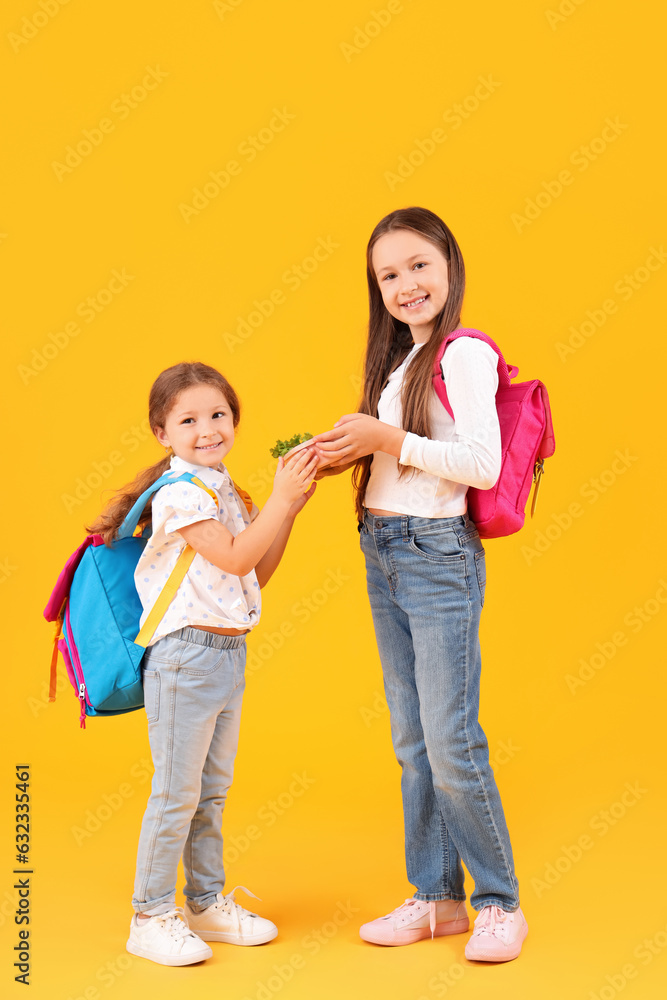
pixel 462 452
pixel 208 596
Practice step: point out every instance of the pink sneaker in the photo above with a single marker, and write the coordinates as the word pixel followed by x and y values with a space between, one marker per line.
pixel 498 935
pixel 414 920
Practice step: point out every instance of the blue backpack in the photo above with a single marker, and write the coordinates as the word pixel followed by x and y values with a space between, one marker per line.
pixel 97 610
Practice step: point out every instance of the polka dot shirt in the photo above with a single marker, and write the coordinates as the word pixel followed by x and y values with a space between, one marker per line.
pixel 208 596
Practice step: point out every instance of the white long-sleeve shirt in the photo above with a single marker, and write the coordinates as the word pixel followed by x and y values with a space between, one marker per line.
pixel 462 452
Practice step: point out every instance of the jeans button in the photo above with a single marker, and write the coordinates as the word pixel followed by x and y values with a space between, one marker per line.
pixel 380 524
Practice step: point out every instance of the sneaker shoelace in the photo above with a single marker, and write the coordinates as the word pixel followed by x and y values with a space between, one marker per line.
pixel 491 920
pixel 174 922
pixel 234 909
pixel 403 914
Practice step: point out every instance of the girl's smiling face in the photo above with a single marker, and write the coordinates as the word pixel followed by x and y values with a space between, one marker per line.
pixel 199 428
pixel 413 277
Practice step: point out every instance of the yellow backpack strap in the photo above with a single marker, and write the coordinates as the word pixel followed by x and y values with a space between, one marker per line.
pixel 168 592
pixel 247 499
pixel 205 488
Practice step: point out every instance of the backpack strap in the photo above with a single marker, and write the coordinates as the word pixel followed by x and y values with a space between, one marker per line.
pixel 167 594
pixel 176 577
pixel 129 525
pixel 245 497
pixel 505 372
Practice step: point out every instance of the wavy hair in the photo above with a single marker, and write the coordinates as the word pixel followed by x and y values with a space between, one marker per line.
pixel 163 395
pixel 390 340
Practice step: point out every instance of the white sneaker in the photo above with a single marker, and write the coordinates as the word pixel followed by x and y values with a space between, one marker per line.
pixel 226 920
pixel 166 939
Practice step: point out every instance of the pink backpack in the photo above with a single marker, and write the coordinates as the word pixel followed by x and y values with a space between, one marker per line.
pixel 527 438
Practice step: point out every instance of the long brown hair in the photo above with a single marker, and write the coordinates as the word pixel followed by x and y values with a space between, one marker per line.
pixel 163 395
pixel 390 340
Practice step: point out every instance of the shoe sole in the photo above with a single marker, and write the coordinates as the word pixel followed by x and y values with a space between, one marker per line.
pixel 226 938
pixel 507 956
pixel 172 960
pixel 399 938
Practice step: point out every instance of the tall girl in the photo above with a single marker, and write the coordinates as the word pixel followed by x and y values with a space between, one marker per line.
pixel 426 578
pixel 194 667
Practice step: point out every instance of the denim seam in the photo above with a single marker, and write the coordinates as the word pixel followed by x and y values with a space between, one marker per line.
pixel 444 839
pixel 433 897
pixel 499 845
pixel 150 853
pixel 494 901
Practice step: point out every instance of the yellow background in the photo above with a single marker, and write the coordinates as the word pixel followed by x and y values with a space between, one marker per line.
pixel 559 593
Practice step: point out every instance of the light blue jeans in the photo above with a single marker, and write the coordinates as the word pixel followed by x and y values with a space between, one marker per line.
pixel 426 580
pixel 193 689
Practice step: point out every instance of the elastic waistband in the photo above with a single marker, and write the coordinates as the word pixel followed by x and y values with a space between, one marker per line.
pixel 406 524
pixel 212 639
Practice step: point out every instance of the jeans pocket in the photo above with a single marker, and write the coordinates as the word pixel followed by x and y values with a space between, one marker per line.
pixel 480 567
pixel 151 681
pixel 437 546
pixel 200 661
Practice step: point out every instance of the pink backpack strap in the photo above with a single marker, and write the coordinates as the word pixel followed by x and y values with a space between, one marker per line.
pixel 505 372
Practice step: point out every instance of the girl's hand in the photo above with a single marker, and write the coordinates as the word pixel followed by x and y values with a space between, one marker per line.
pixel 332 470
pixel 292 478
pixel 356 435
pixel 299 504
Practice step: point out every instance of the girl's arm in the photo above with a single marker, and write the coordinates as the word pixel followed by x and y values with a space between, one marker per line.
pixel 240 554
pixel 472 457
pixel 268 564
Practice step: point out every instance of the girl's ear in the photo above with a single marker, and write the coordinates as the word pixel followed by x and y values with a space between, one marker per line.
pixel 161 435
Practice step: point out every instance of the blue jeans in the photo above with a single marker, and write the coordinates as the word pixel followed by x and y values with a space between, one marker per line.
pixel 193 689
pixel 426 579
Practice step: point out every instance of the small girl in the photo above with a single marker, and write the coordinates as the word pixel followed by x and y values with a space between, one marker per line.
pixel 194 667
pixel 426 579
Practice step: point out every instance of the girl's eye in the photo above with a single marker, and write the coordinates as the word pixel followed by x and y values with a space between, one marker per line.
pixel 220 413
pixel 388 276
pixel 187 420
pixel 420 264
